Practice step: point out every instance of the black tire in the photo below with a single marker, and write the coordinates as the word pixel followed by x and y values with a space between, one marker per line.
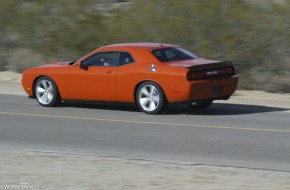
pixel 150 98
pixel 46 92
pixel 201 105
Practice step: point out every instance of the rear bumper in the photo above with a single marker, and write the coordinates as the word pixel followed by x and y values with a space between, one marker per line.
pixel 213 89
pixel 207 90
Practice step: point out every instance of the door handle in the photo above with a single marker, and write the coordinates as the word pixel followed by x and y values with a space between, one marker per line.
pixel 109 72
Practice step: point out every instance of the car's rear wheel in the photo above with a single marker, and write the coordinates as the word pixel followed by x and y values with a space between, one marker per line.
pixel 200 105
pixel 46 92
pixel 150 98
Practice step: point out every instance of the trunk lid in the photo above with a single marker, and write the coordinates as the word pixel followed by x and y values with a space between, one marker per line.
pixel 204 69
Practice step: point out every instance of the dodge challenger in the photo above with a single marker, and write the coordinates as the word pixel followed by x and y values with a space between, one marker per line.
pixel 151 75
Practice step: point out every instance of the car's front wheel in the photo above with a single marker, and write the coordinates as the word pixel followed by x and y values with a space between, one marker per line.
pixel 150 98
pixel 46 92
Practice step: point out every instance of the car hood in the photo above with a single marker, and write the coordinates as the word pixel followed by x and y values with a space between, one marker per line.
pixel 191 62
pixel 55 64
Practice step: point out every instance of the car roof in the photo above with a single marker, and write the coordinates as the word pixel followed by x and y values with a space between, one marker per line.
pixel 150 46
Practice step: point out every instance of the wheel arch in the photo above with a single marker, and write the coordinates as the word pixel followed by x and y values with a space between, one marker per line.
pixel 38 77
pixel 140 82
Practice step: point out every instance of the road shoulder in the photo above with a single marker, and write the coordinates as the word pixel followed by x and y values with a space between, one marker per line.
pixel 44 170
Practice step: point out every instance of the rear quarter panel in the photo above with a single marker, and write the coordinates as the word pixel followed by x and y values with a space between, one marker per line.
pixel 171 79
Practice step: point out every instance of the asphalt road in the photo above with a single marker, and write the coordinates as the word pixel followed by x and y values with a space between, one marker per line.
pixel 226 134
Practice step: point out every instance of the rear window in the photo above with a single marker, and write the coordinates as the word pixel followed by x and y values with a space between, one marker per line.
pixel 173 54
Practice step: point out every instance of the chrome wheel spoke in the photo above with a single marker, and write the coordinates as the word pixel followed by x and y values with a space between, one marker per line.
pixel 44 84
pixel 49 96
pixel 144 102
pixel 151 89
pixel 156 99
pixel 44 98
pixel 145 92
pixel 152 105
pixel 40 90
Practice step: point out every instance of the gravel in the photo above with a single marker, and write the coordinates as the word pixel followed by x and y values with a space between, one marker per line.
pixel 59 171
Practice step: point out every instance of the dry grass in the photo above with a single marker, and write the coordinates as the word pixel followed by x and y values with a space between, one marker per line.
pixel 253 34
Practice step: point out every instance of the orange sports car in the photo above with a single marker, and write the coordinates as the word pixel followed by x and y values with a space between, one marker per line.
pixel 149 74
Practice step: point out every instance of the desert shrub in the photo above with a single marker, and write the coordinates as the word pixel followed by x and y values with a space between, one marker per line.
pixel 20 59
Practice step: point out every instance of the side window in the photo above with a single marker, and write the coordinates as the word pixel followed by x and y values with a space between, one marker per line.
pixel 170 54
pixel 125 58
pixel 160 56
pixel 103 59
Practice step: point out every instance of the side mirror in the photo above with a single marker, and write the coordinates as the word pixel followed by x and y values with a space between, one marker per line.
pixel 84 66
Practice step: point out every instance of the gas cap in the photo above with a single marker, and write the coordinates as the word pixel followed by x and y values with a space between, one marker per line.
pixel 152 68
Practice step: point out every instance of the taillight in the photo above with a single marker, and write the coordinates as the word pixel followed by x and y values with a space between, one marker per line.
pixel 196 74
pixel 226 70
pixel 210 73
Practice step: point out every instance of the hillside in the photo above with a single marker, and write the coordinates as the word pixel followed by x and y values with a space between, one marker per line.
pixel 253 34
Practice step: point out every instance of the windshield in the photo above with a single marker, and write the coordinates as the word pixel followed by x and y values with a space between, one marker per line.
pixel 173 54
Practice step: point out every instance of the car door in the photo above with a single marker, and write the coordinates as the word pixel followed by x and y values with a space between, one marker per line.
pixel 96 80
